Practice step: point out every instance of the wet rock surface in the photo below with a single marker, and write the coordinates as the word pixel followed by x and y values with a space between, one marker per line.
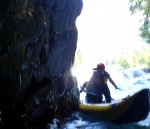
pixel 38 41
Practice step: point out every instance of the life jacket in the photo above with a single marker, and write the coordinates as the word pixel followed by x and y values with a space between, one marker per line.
pixel 100 79
pixel 90 87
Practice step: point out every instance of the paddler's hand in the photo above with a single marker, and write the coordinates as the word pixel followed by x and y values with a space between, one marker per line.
pixel 117 88
pixel 82 90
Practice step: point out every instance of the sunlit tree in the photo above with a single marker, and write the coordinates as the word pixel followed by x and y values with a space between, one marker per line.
pixel 123 62
pixel 78 59
pixel 142 6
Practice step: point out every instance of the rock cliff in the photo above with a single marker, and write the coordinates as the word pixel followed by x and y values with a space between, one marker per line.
pixel 38 41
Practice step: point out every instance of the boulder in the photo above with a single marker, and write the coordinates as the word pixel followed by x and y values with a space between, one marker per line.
pixel 38 40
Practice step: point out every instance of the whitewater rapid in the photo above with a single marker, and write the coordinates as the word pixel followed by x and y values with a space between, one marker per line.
pixel 128 80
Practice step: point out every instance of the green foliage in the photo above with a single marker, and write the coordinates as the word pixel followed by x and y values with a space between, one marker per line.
pixel 145 56
pixel 124 62
pixel 144 7
pixel 137 58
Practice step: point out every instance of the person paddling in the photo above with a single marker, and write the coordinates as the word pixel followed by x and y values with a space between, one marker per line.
pixel 91 96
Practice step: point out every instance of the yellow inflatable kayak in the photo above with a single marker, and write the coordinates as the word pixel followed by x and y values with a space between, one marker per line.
pixel 133 108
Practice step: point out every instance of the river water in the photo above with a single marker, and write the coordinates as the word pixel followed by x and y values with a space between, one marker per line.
pixel 129 81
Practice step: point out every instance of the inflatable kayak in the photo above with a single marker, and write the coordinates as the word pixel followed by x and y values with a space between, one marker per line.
pixel 131 109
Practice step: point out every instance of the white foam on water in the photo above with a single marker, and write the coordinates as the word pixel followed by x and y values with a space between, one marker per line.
pixel 129 81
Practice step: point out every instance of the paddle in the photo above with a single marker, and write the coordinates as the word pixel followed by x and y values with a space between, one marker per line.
pixel 89 92
pixel 94 93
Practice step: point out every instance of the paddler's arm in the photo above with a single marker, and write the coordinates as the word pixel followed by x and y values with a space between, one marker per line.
pixel 84 86
pixel 113 83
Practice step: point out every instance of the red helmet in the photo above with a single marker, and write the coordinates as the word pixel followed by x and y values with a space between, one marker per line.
pixel 101 66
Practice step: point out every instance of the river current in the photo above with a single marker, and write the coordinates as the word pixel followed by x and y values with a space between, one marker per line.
pixel 129 81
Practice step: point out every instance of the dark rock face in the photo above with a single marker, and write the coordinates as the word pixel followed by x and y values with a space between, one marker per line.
pixel 37 48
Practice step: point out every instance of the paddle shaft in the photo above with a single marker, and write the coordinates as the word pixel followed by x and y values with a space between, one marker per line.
pixel 89 92
pixel 95 94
